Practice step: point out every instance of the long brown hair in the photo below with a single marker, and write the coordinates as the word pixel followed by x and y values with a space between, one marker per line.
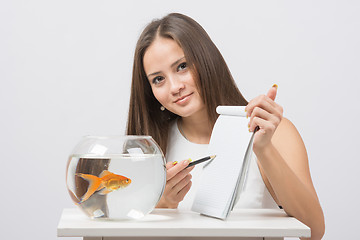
pixel 213 78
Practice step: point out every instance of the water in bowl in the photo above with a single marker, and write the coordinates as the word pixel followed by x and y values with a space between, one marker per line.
pixel 120 186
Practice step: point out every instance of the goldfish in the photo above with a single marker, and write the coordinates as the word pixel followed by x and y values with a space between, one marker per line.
pixel 105 183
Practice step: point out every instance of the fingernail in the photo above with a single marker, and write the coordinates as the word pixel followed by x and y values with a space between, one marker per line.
pixel 275 86
pixel 248 125
pixel 186 162
pixel 190 160
pixel 174 163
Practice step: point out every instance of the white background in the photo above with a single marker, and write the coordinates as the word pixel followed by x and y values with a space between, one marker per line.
pixel 65 72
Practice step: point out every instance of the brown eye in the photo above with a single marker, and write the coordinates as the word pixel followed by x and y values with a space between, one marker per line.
pixel 157 80
pixel 182 66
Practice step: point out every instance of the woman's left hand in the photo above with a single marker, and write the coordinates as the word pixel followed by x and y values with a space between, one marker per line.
pixel 265 113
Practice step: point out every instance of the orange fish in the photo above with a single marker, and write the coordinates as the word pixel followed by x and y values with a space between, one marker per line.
pixel 105 183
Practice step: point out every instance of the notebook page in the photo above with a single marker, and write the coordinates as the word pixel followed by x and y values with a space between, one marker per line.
pixel 229 142
pixel 244 172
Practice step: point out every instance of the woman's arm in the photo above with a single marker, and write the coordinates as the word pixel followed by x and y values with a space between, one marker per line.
pixel 283 162
pixel 285 169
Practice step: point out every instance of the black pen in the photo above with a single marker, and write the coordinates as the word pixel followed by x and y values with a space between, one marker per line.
pixel 201 160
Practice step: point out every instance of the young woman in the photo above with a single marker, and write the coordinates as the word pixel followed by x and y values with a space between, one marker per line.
pixel 179 78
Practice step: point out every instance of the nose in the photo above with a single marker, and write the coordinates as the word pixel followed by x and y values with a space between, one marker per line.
pixel 176 85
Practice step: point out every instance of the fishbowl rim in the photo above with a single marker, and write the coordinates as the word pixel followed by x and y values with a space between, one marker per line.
pixel 116 155
pixel 118 136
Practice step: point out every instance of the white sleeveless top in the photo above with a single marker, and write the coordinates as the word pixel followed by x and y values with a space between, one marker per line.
pixel 255 195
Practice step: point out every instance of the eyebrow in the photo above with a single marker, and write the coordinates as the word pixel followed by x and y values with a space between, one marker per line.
pixel 172 65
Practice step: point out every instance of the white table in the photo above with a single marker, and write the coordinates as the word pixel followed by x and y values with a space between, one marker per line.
pixel 172 224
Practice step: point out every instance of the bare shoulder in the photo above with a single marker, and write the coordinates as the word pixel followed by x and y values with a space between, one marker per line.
pixel 288 141
pixel 286 131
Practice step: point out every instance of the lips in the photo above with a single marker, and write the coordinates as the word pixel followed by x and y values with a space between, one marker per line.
pixel 182 99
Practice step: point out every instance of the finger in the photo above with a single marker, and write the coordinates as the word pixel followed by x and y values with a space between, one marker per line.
pixel 270 97
pixel 178 177
pixel 272 92
pixel 175 169
pixel 268 118
pixel 253 103
pixel 265 126
pixel 273 118
pixel 260 113
pixel 169 165
pixel 265 103
pixel 180 185
pixel 184 191
pixel 170 196
pixel 172 192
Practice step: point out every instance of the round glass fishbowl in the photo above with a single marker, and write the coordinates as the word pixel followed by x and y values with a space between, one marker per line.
pixel 116 177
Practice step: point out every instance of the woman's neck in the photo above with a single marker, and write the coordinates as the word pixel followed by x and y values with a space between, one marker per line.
pixel 196 129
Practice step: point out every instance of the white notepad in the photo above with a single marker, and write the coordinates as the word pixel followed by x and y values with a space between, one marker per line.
pixel 224 178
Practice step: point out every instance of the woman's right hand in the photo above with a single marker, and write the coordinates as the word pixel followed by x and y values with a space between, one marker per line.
pixel 178 183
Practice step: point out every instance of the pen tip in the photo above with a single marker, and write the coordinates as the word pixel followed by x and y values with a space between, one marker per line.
pixel 213 156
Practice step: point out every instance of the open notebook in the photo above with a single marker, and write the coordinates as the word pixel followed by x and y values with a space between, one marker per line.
pixel 224 177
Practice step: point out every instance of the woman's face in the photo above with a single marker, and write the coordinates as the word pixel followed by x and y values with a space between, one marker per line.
pixel 170 78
